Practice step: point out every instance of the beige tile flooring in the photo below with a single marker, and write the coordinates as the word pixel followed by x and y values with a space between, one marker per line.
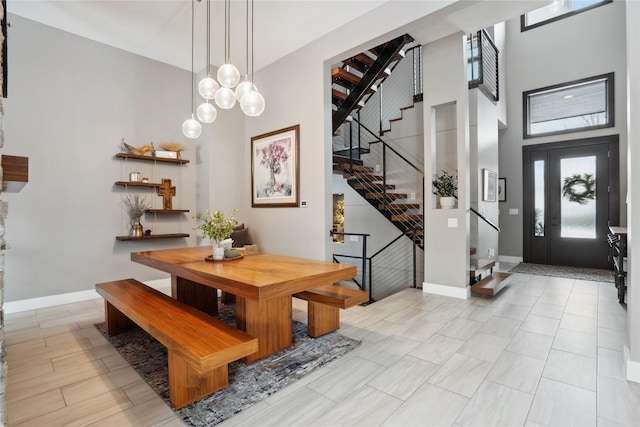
pixel 544 352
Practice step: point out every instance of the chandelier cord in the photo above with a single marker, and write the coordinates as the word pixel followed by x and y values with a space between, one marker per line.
pixel 208 38
pixel 192 77
pixel 247 38
pixel 227 41
pixel 252 14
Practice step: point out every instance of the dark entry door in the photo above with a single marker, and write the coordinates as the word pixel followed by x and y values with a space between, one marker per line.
pixel 572 192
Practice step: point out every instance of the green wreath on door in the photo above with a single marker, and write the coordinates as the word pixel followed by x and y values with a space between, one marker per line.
pixel 579 188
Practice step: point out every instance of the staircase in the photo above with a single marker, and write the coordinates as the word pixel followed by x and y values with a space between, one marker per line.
pixel 360 75
pixel 404 213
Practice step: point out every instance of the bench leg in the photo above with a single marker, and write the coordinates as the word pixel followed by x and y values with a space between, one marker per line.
pixel 322 319
pixel 115 321
pixel 187 384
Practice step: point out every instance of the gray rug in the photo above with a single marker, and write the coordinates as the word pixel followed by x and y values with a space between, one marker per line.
pixel 592 274
pixel 248 384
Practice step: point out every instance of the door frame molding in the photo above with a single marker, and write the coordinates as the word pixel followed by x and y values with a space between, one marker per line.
pixel 528 151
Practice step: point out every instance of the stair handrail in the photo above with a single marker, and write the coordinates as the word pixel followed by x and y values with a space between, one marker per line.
pixel 482 217
pixel 388 146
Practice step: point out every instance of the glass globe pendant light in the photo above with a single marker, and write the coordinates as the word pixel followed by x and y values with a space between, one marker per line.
pixel 228 74
pixel 243 88
pixel 252 103
pixel 191 128
pixel 206 112
pixel 225 98
pixel 208 86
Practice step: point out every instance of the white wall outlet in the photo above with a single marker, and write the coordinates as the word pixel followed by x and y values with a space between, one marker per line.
pixel 413 196
pixel 377 168
pixel 491 252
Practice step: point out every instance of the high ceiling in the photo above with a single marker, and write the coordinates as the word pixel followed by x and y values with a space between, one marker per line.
pixel 161 29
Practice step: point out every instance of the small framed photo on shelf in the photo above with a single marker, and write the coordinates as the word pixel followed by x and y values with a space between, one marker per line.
pixel 490 185
pixel 502 189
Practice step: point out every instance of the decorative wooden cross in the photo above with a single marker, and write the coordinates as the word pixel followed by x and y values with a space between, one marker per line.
pixel 167 192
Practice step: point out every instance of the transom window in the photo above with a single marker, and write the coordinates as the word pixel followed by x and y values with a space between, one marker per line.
pixel 569 107
pixel 559 9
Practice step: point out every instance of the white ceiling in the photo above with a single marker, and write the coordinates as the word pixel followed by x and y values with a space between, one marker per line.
pixel 161 29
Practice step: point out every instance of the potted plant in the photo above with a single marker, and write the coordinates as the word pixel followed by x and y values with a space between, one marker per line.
pixel 217 228
pixel 446 186
pixel 136 207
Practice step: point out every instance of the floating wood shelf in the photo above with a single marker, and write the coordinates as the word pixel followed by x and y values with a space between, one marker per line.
pixel 151 158
pixel 167 211
pixel 138 184
pixel 152 237
pixel 15 173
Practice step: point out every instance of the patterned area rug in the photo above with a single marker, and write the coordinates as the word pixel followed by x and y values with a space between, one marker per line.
pixel 566 272
pixel 248 384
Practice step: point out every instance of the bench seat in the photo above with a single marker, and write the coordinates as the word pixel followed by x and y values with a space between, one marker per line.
pixel 199 347
pixel 324 304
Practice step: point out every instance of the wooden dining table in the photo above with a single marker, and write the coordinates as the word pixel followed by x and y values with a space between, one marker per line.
pixel 263 284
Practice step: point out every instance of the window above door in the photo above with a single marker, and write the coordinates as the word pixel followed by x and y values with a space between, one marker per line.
pixel 579 105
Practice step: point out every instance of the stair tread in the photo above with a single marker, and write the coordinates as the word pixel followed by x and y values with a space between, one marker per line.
pixel 472 251
pixel 390 196
pixel 406 217
pixel 491 284
pixel 480 265
pixel 395 207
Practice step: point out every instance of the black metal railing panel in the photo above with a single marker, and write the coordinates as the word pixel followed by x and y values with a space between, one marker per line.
pixel 482 64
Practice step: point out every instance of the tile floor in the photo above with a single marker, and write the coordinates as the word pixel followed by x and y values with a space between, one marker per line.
pixel 544 352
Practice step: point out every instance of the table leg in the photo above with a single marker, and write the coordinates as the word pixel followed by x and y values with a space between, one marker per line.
pixel 269 321
pixel 199 296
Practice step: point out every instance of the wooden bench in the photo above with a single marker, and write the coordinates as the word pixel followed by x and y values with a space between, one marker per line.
pixel 324 304
pixel 199 347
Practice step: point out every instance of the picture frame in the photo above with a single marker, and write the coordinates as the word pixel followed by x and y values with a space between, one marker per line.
pixel 275 170
pixel 489 185
pixel 502 189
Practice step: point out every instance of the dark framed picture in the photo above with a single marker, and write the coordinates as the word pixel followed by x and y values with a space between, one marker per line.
pixel 502 189
pixel 275 170
pixel 490 185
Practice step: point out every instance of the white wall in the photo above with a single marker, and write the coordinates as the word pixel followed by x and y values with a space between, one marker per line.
pixel 70 100
pixel 584 45
pixel 446 271
pixel 633 112
pixel 483 135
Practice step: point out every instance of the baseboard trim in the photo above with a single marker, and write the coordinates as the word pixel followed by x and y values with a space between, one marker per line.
pixel 447 291
pixel 510 259
pixel 9 307
pixel 632 368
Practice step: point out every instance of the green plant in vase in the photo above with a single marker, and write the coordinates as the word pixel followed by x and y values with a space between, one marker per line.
pixel 216 227
pixel 446 186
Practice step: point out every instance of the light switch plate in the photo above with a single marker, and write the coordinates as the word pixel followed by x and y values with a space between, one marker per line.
pixel 513 211
pixel 452 222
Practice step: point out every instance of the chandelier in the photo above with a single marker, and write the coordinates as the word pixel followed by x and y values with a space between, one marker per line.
pixel 221 92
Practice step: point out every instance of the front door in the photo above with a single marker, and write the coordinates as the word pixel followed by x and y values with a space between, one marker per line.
pixel 571 197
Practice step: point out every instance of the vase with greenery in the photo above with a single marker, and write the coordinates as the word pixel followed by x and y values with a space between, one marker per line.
pixel 446 186
pixel 216 227
pixel 136 207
